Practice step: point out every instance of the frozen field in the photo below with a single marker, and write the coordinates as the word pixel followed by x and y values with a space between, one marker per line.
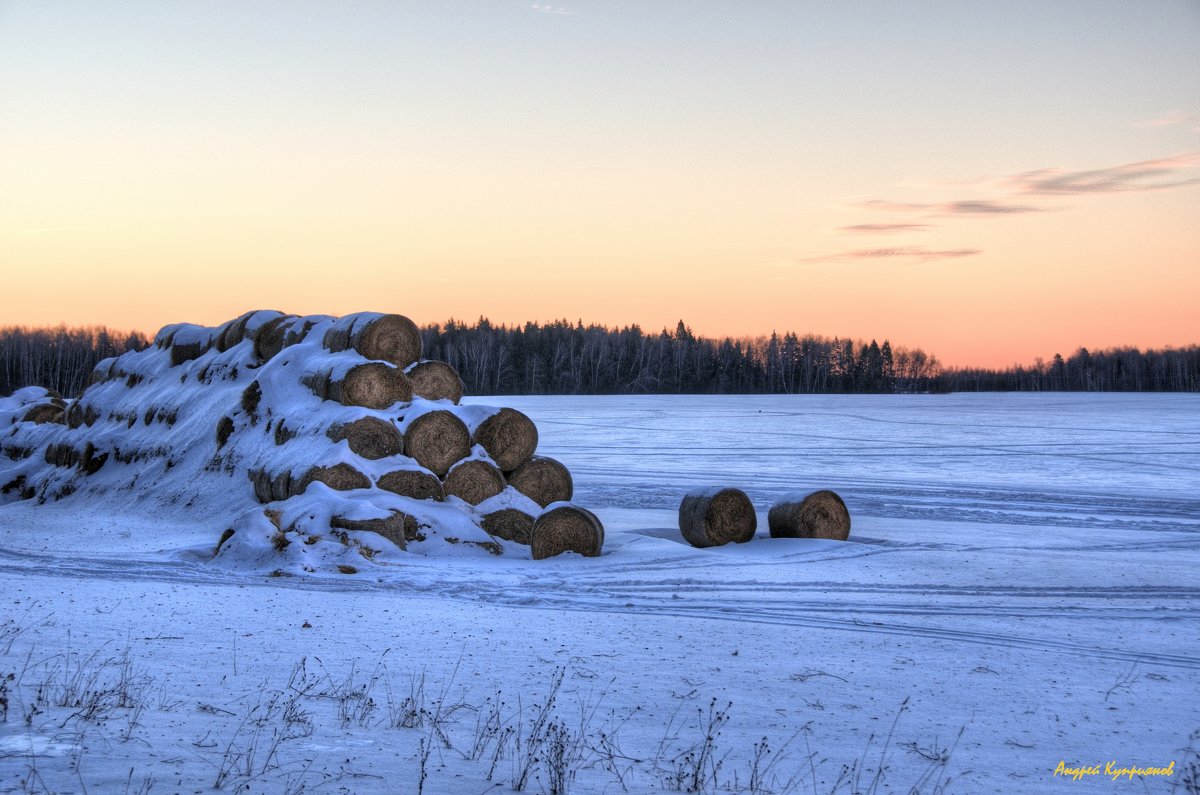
pixel 1020 590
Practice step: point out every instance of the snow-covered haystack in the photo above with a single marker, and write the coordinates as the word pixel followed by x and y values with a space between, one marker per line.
pixel 326 442
pixel 821 514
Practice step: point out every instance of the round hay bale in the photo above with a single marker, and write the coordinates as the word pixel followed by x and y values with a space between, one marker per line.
pixel 474 480
pixel 185 352
pixel 567 528
pixel 509 524
pixel 437 440
pixel 261 482
pixel 340 477
pixel 821 514
pixel 44 412
pixel 435 381
pixel 398 527
pixel 712 517
pixel 415 483
pixel 269 337
pixel 509 438
pixel 251 396
pixel 543 480
pixel 374 385
pixel 369 437
pixel 389 338
pixel 224 431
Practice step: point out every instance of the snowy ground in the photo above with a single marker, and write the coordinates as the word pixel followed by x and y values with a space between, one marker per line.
pixel 1019 590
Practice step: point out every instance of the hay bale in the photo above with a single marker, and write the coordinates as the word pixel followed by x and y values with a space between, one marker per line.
pixel 398 528
pixel 269 337
pixel 224 431
pixel 234 331
pixel 509 524
pixel 437 440
pixel 339 477
pixel 821 514
pixel 185 352
pixel 474 480
pixel 566 528
pixel 373 385
pixel 369 437
pixel 418 484
pixel 543 480
pixel 508 436
pixel 435 381
pixel 712 517
pixel 389 338
pixel 44 412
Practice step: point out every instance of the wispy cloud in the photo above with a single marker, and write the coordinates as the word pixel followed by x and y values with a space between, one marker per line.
pixel 561 11
pixel 883 229
pixel 967 207
pixel 1169 119
pixel 912 254
pixel 1164 172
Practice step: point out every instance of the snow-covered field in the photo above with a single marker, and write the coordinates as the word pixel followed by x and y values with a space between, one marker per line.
pixel 1020 590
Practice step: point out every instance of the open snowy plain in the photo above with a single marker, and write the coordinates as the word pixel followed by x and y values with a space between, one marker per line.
pixel 1019 595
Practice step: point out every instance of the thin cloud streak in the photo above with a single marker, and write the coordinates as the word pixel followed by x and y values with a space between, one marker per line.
pixel 1169 119
pixel 914 253
pixel 968 207
pixel 1144 175
pixel 884 229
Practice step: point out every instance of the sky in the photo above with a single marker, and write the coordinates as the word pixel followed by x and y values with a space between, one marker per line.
pixel 990 182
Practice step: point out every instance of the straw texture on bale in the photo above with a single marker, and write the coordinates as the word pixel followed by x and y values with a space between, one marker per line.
pixel 224 431
pixel 415 483
pixel 712 517
pixel 567 528
pixel 44 412
pixel 373 385
pixel 369 437
pixel 437 440
pixel 185 352
pixel 509 524
pixel 821 514
pixel 474 481
pixel 542 480
pixel 269 338
pixel 509 438
pixel 434 380
pixel 340 477
pixel 390 338
pixel 233 332
pixel 398 528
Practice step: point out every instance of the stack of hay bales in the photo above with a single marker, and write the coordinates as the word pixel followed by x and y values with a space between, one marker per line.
pixel 711 517
pixel 335 427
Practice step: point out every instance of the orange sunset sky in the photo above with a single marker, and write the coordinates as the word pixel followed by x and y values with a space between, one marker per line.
pixel 988 181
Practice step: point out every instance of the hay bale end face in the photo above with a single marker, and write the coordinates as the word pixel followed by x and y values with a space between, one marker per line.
pixel 437 440
pixel 374 385
pixel 339 477
pixel 713 517
pixel 388 338
pixel 566 528
pixel 822 514
pixel 474 481
pixel 543 480
pixel 509 438
pixel 509 524
pixel 369 437
pixel 434 380
pixel 415 483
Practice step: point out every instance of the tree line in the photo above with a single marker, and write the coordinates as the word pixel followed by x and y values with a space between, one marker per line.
pixel 562 357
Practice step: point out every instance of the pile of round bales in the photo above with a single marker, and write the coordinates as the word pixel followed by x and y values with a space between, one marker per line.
pixel 278 403
pixel 713 517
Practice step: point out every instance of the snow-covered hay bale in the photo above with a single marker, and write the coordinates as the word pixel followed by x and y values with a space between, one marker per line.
pixel 474 480
pixel 712 517
pixel 543 480
pixel 389 338
pixel 370 437
pixel 821 514
pixel 398 527
pixel 45 412
pixel 435 380
pixel 437 440
pixel 508 436
pixel 509 524
pixel 339 477
pixel 419 484
pixel 374 385
pixel 269 339
pixel 566 528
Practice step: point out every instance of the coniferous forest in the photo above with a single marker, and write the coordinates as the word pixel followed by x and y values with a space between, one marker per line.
pixel 567 358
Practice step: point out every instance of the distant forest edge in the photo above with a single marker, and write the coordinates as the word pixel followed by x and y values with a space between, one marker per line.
pixel 564 358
